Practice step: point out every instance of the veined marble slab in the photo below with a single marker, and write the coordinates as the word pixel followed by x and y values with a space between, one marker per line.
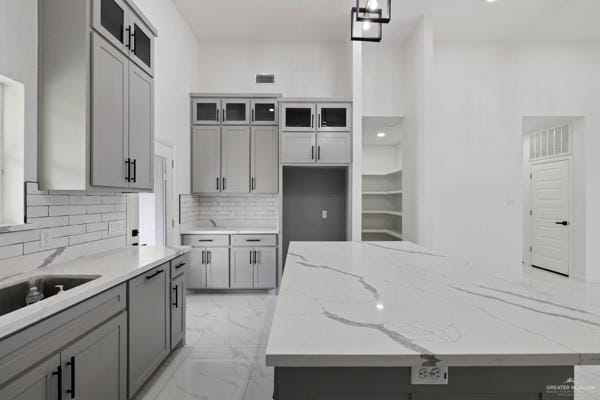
pixel 230 231
pixel 113 268
pixel 397 304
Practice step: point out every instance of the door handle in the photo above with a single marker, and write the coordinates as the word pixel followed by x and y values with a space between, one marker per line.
pixel 134 162
pixel 319 123
pixel 128 31
pixel 218 186
pixel 179 265
pixel 312 120
pixel 132 46
pixel 155 274
pixel 176 289
pixel 58 373
pixel 253 183
pixel 312 152
pixel 564 223
pixel 218 115
pixel 250 257
pixel 253 115
pixel 208 257
pixel 203 257
pixel 319 153
pixel 72 365
pixel 224 180
pixel 254 257
pixel 128 163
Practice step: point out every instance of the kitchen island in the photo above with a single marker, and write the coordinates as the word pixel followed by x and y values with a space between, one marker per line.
pixel 387 320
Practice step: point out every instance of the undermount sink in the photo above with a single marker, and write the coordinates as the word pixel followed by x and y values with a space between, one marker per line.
pixel 12 297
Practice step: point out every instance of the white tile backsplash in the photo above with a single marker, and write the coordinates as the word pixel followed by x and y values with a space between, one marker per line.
pixel 75 225
pixel 243 211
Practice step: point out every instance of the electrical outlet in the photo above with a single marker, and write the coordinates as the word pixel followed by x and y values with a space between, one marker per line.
pixel 437 375
pixel 324 214
pixel 116 228
pixel 44 238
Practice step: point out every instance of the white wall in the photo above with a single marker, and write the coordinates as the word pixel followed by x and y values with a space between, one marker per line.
pixel 381 159
pixel 417 74
pixel 177 61
pixel 302 69
pixel 383 83
pixel 482 91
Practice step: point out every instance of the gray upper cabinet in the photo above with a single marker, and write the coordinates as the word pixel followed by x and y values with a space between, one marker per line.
pixel 110 77
pixel 206 111
pixel 298 147
pixel 95 367
pixel 95 96
pixel 206 159
pixel 264 158
pixel 334 147
pixel 235 159
pixel 235 111
pixel 264 112
pixel 149 312
pixel 141 127
pixel 334 117
pixel 39 383
pixel 126 30
pixel 298 117
pixel 242 268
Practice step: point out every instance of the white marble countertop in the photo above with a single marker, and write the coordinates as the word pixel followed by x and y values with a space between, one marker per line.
pixel 112 268
pixel 231 231
pixel 396 304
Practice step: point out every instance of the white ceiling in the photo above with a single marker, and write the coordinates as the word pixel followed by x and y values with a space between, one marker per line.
pixel 391 126
pixel 329 20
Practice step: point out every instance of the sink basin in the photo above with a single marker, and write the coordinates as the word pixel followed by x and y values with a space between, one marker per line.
pixel 12 297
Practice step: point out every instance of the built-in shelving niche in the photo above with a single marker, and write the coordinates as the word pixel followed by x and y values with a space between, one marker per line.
pixel 382 206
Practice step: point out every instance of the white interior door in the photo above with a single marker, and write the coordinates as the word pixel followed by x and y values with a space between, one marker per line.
pixel 153 208
pixel 550 219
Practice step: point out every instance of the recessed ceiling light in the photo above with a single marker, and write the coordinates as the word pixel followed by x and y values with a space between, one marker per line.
pixel 381 134
pixel 490 1
pixel 379 306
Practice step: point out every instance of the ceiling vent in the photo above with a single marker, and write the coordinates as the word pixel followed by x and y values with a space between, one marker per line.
pixel 265 79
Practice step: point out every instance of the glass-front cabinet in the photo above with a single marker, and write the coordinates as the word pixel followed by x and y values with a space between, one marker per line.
pixel 236 111
pixel 206 111
pixel 264 112
pixel 120 25
pixel 334 117
pixel 298 117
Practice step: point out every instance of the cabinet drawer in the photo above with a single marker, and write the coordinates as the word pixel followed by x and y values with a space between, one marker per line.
pixel 254 240
pixel 179 266
pixel 206 240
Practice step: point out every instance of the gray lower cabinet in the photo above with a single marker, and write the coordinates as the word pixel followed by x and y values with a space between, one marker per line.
pixel 264 156
pixel 235 159
pixel 242 273
pixel 39 383
pixel 196 278
pixel 178 303
pixel 149 324
pixel 217 268
pixel 206 159
pixel 95 367
pixel 265 268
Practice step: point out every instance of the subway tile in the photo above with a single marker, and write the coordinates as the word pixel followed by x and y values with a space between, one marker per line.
pixel 114 216
pixel 36 247
pixel 66 210
pixel 11 251
pixel 85 200
pixel 84 219
pixel 102 208
pixel 65 230
pixel 39 211
pixel 120 199
pixel 98 226
pixel 47 200
pixel 84 238
pixel 44 222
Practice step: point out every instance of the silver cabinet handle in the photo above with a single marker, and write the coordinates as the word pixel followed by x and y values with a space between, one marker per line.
pixel 319 153
pixel 312 152
pixel 250 257
pixel 218 185
pixel 208 257
pixel 203 259
pixel 223 185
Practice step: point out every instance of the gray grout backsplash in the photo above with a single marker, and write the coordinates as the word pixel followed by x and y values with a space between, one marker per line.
pixel 243 211
pixel 75 224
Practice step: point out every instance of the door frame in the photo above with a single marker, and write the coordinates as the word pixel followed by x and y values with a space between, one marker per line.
pixel 529 197
pixel 167 151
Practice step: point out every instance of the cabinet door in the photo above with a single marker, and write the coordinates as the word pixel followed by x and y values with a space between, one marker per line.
pixel 206 159
pixel 196 276
pixel 177 310
pixel 236 112
pixel 110 88
pixel 242 273
pixel 264 160
pixel 334 147
pixel 109 19
pixel 334 117
pixel 141 129
pixel 235 159
pixel 298 147
pixel 206 112
pixel 217 268
pixel 265 267
pixel 264 112
pixel 148 313
pixel 142 45
pixel 299 117
pixel 39 383
pixel 95 367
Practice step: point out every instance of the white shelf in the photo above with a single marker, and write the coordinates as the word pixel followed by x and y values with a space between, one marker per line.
pixel 385 173
pixel 382 193
pixel 385 212
pixel 395 234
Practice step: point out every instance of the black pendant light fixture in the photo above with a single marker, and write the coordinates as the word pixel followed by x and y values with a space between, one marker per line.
pixel 365 30
pixel 367 18
pixel 385 6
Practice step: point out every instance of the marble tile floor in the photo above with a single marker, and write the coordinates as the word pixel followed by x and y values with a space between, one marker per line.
pixel 223 358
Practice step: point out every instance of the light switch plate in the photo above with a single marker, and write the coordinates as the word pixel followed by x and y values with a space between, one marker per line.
pixel 116 228
pixel 44 238
pixel 437 375
pixel 324 214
